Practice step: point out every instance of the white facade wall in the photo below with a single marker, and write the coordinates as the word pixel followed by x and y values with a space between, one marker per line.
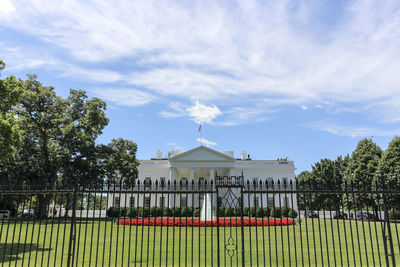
pixel 205 163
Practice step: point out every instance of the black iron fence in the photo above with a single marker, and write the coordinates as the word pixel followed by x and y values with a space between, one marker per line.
pixel 230 222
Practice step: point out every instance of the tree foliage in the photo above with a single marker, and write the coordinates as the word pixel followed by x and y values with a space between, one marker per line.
pixel 10 134
pixel 388 176
pixel 361 170
pixel 121 163
pixel 59 145
pixel 325 175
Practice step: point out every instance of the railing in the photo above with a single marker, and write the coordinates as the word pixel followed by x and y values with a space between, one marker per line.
pixel 231 222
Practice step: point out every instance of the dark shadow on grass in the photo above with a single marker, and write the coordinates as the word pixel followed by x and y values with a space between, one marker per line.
pixel 10 252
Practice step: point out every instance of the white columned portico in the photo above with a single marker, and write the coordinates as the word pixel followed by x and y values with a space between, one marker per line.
pixel 171 180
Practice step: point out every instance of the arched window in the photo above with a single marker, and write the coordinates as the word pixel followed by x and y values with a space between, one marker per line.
pixel 147 182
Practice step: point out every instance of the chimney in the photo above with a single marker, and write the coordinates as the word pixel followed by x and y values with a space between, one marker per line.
pixel 159 154
pixel 244 154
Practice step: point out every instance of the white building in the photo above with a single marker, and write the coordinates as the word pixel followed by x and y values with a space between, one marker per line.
pixel 201 165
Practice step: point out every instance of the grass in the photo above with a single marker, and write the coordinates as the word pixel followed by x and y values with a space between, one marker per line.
pixel 314 242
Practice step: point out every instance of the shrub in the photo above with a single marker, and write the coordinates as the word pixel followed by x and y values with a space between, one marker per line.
pixel 394 214
pixel 154 212
pixel 132 212
pixel 259 212
pixel 196 212
pixel 267 211
pixel 252 212
pixel 145 212
pixel 221 212
pixel 117 212
pixel 139 211
pixel 285 211
pixel 110 212
pixel 229 212
pixel 237 211
pixel 246 211
pixel 168 212
pixel 177 211
pixel 276 212
pixel 292 213
pixel 187 212
pixel 160 211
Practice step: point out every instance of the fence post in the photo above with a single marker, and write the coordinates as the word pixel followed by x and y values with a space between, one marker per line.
pixel 71 246
pixel 241 221
pixel 387 238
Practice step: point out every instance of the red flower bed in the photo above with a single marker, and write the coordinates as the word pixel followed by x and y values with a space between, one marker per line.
pixel 197 222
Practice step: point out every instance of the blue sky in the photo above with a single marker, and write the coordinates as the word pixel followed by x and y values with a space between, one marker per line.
pixel 303 79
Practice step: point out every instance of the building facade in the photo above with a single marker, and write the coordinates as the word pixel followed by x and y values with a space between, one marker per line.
pixel 201 165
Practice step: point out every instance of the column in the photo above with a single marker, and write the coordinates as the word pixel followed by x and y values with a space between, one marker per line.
pixel 191 175
pixel 212 175
pixel 212 178
pixel 191 179
pixel 171 180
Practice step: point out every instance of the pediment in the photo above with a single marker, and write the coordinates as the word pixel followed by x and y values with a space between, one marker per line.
pixel 202 153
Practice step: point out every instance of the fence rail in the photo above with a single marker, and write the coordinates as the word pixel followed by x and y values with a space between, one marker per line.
pixel 235 223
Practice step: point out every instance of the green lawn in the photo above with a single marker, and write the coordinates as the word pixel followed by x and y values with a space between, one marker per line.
pixel 102 243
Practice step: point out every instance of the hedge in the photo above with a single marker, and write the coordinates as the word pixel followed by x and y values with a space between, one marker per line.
pixel 258 212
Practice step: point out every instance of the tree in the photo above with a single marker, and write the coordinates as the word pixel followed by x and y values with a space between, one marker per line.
pixel 327 175
pixel 303 180
pixel 10 134
pixel 360 172
pixel 59 142
pixel 389 167
pixel 121 163
pixel 59 145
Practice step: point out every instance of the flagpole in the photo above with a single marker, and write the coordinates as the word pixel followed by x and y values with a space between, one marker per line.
pixel 201 138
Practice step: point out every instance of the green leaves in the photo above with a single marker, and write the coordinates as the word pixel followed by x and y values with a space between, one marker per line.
pixel 121 163
pixel 10 134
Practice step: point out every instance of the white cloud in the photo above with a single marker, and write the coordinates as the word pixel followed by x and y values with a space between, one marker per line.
pixel 124 96
pixel 351 130
pixel 206 142
pixel 203 114
pixel 205 51
pixel 174 146
pixel 178 110
pixel 6 6
pixel 303 107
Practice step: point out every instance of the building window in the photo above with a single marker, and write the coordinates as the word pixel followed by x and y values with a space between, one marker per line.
pixel 147 201
pixel 270 180
pixel 285 182
pixel 256 202
pixel 117 201
pixel 162 202
pixel 201 181
pixel 162 181
pixel 184 182
pixel 270 201
pixel 132 202
pixel 147 182
pixel 255 181
pixel 183 201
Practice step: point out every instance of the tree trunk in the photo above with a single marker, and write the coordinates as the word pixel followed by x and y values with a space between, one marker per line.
pixel 44 201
